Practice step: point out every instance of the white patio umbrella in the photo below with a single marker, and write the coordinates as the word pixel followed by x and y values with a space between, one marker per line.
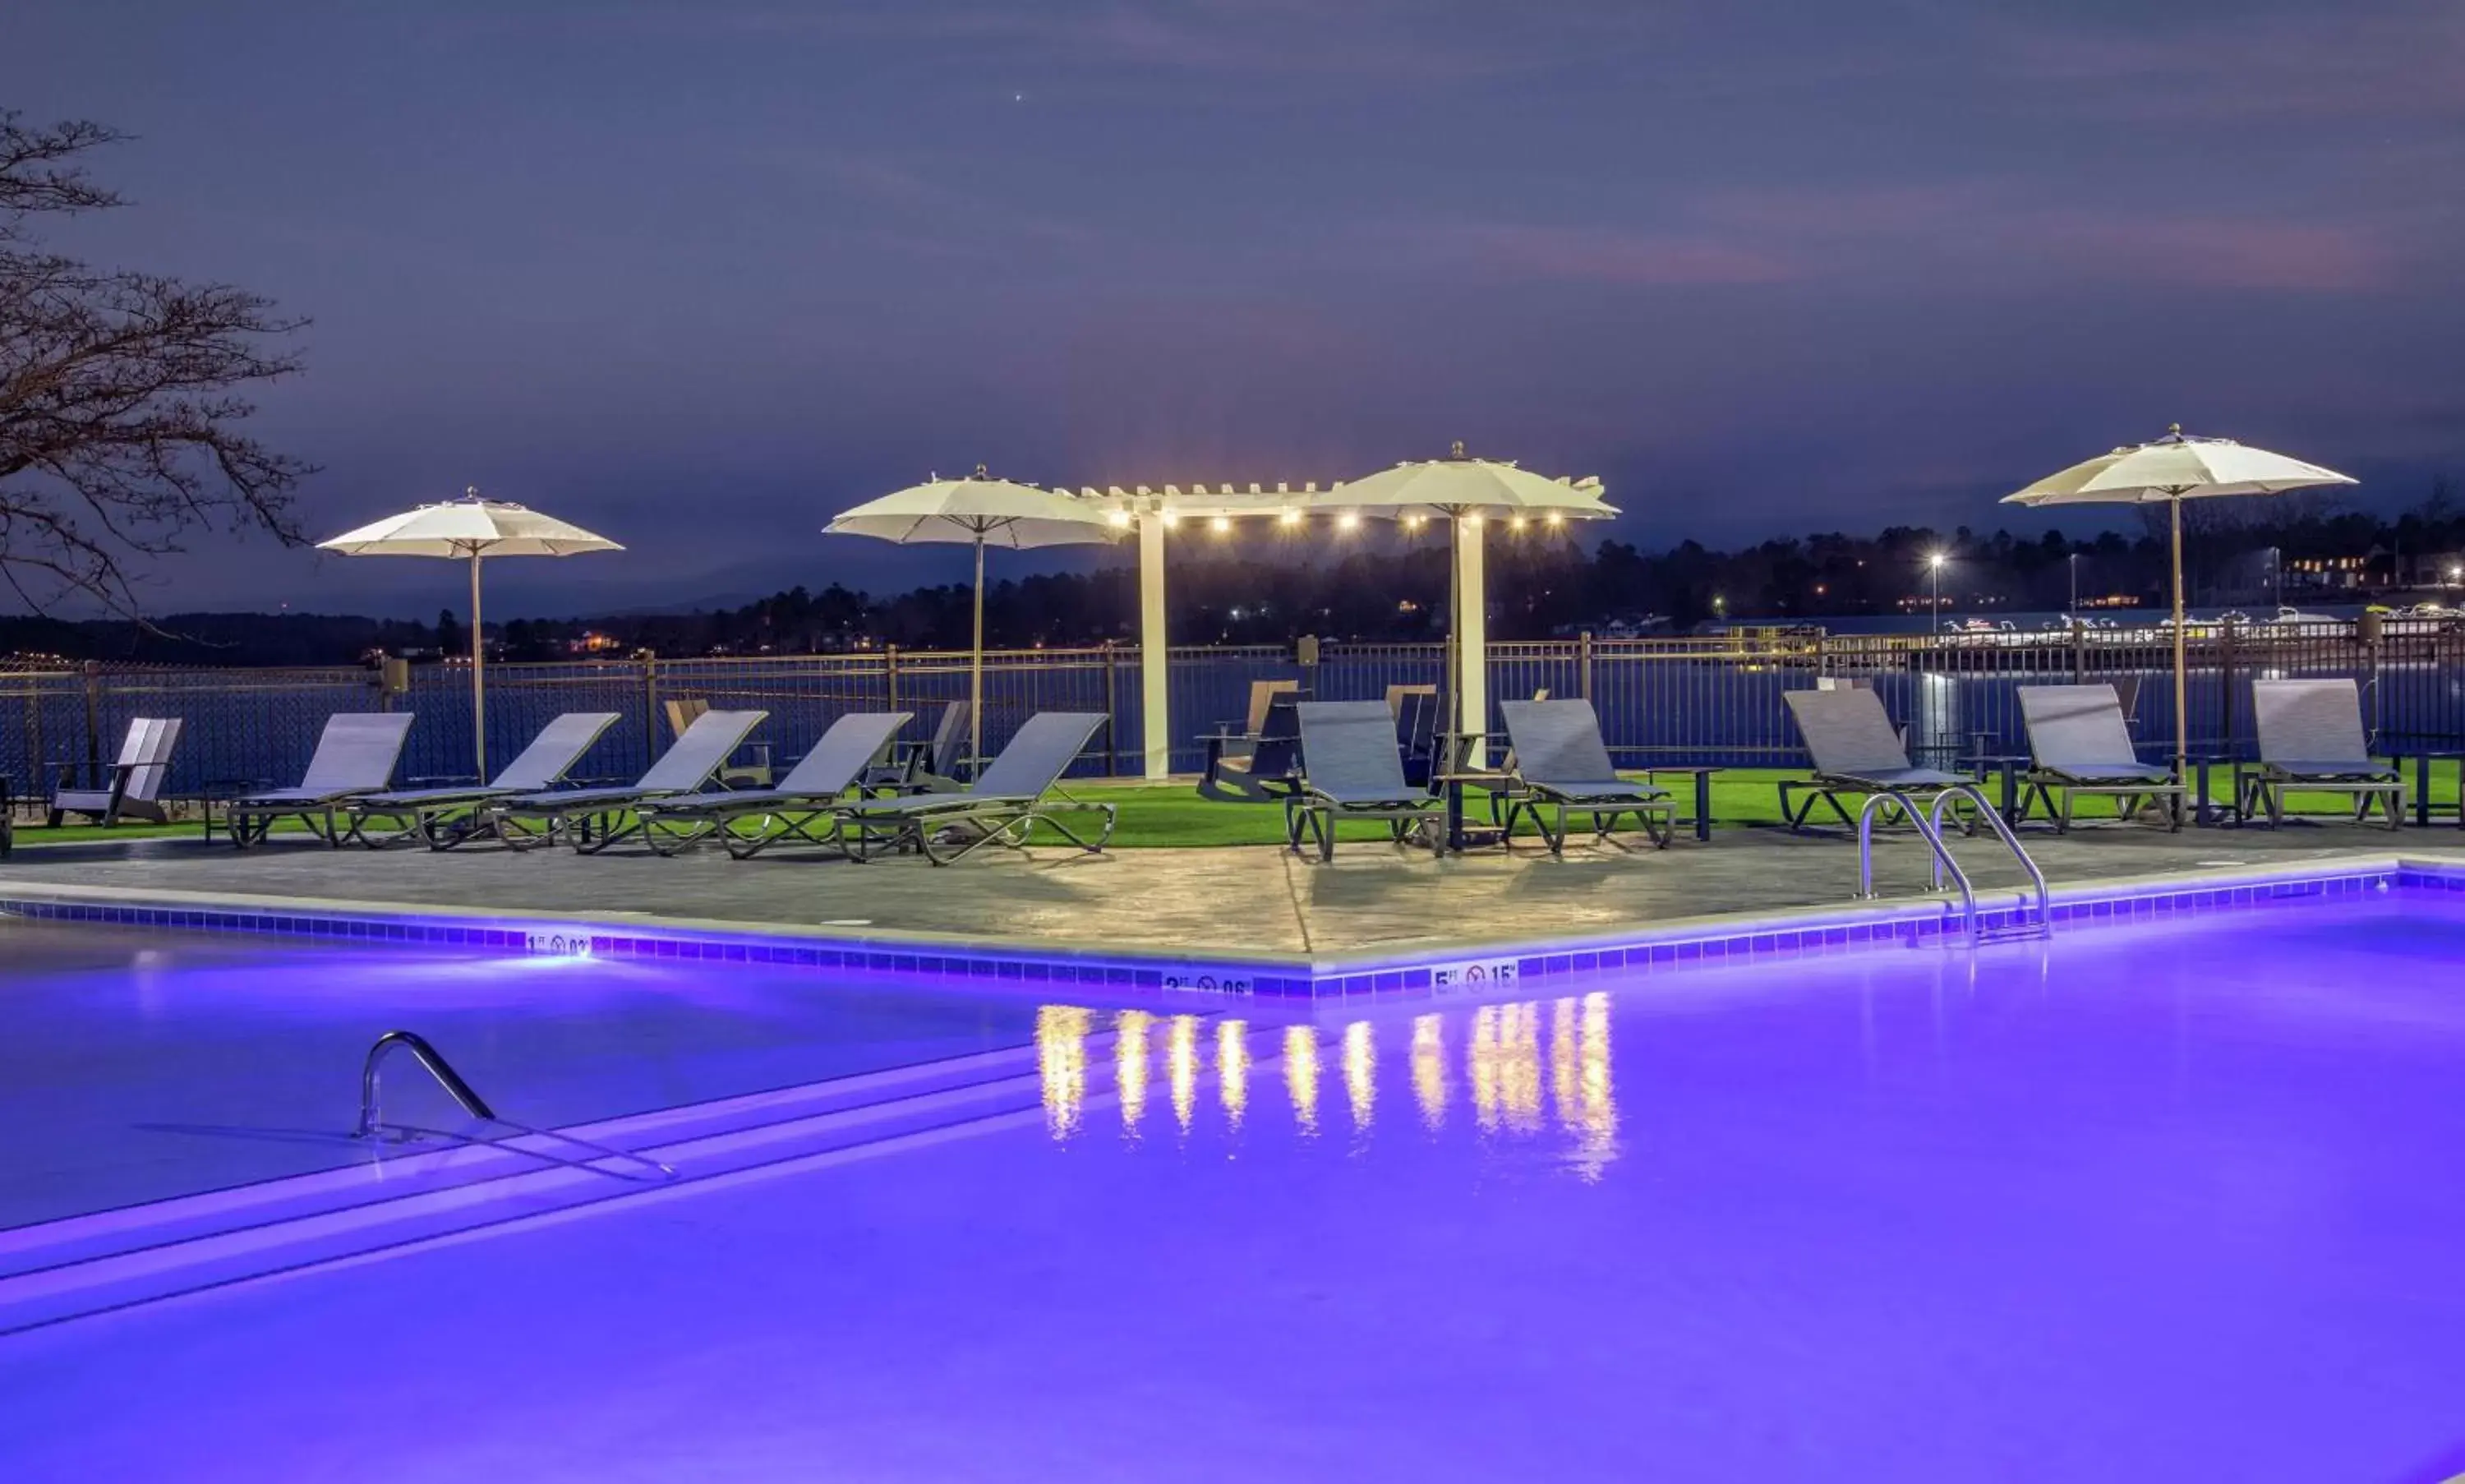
pixel 978 511
pixel 472 529
pixel 2171 470
pixel 1460 489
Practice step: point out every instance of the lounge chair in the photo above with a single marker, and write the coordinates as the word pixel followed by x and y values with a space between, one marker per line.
pixel 355 756
pixel 1351 770
pixel 597 818
pixel 448 816
pixel 1417 731
pixel 1268 772
pixel 135 790
pixel 2311 741
pixel 933 766
pixel 1855 751
pixel 684 711
pixel 1563 767
pixel 2080 744
pixel 1003 805
pixel 804 807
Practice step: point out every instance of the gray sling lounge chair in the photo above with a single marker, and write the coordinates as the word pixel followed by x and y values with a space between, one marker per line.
pixel 2081 746
pixel 1352 770
pixel 805 805
pixel 2311 741
pixel 1855 751
pixel 935 766
pixel 135 790
pixel 445 817
pixel 597 818
pixel 1003 805
pixel 1563 767
pixel 355 756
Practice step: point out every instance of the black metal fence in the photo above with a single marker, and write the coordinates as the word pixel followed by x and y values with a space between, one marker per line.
pixel 1711 701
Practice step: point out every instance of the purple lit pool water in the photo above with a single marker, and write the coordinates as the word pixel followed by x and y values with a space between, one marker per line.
pixel 137 1065
pixel 2165 1203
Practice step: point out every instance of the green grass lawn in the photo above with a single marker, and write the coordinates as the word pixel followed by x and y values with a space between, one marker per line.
pixel 1173 815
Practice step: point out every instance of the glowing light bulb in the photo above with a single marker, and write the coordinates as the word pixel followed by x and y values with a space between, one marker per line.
pixel 1555 519
pixel 1289 517
pixel 1171 518
pixel 1349 521
pixel 1518 524
pixel 1221 524
pixel 1119 518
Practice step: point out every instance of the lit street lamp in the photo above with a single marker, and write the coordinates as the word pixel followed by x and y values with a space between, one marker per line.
pixel 1935 564
pixel 2074 611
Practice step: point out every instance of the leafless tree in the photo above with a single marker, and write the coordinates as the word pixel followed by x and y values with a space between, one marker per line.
pixel 121 394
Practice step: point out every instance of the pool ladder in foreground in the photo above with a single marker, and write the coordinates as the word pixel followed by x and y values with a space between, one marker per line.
pixel 373 1125
pixel 1928 824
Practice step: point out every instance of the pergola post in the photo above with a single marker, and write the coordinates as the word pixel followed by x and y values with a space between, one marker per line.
pixel 1471 623
pixel 1155 674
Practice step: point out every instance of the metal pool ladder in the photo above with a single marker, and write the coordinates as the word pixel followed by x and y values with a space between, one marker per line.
pixel 1928 824
pixel 373 1125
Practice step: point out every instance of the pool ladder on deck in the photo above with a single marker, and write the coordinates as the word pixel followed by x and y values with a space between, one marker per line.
pixel 1928 824
pixel 373 1124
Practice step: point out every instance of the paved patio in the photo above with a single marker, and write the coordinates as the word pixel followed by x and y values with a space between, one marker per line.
pixel 1244 898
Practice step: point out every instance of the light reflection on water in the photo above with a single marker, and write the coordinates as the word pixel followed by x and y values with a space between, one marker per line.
pixel 1130 1066
pixel 1232 1070
pixel 1061 1063
pixel 1532 1068
pixel 1300 1077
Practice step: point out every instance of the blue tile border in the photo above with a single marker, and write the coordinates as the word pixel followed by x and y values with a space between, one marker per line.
pixel 1646 949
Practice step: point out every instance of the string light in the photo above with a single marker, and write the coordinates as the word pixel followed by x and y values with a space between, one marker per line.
pixel 1171 518
pixel 1518 524
pixel 1289 517
pixel 1349 521
pixel 1222 524
pixel 1119 518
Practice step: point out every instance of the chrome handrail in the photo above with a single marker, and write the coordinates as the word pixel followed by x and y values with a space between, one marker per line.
pixel 1878 804
pixel 437 1067
pixel 372 1124
pixel 2003 831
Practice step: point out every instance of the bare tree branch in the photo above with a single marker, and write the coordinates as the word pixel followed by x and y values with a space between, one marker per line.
pixel 121 400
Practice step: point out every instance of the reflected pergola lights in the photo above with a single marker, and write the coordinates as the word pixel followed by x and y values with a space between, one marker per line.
pixel 1530 1067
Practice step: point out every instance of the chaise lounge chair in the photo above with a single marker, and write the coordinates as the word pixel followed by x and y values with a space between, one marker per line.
pixel 936 765
pixel 2080 744
pixel 445 817
pixel 1352 770
pixel 136 788
pixel 1563 767
pixel 804 807
pixel 1003 805
pixel 1855 751
pixel 597 818
pixel 355 756
pixel 2311 741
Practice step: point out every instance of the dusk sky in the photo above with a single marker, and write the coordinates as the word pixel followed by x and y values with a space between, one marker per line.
pixel 698 274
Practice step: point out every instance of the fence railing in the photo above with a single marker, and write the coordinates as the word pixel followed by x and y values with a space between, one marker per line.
pixel 1709 700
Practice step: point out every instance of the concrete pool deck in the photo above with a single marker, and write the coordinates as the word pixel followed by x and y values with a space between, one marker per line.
pixel 1223 913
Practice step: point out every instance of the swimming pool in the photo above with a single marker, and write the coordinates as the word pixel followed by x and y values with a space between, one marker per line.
pixel 2160 1201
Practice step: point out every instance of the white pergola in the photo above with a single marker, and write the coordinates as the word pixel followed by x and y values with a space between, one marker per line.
pixel 1155 510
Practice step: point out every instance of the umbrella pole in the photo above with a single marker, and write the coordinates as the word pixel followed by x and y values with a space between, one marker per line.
pixel 478 685
pixel 2182 683
pixel 976 672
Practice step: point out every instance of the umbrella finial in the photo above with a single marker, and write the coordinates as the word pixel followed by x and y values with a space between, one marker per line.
pixel 2174 429
pixel 1458 450
pixel 980 472
pixel 470 492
